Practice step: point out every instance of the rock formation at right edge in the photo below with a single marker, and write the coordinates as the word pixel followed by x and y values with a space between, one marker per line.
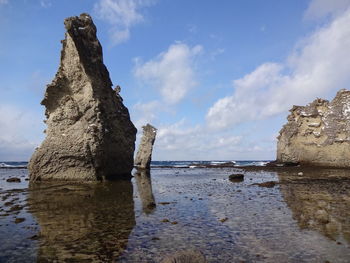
pixel 144 153
pixel 318 134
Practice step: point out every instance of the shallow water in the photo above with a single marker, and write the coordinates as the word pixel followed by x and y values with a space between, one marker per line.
pixel 304 218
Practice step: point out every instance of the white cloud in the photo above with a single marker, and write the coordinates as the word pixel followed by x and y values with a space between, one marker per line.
pixel 3 2
pixel 180 136
pixel 320 8
pixel 119 36
pixel 45 3
pixel 319 65
pixel 216 53
pixel 171 72
pixel 192 28
pixel 145 113
pixel 17 141
pixel 181 141
pixel 122 15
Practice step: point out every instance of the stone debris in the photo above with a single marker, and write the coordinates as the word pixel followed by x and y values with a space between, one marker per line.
pixel 13 180
pixel 19 220
pixel 236 177
pixel 317 134
pixel 144 153
pixel 89 134
pixel 268 184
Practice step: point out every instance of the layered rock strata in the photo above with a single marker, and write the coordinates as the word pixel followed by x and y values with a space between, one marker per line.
pixel 144 153
pixel 89 132
pixel 317 134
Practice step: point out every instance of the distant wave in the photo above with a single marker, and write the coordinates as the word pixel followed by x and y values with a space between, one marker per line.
pixel 13 165
pixel 200 164
pixel 252 163
pixel 170 164
pixel 221 162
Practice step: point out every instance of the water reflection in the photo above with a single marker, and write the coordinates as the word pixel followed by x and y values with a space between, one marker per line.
pixel 89 222
pixel 144 187
pixel 320 200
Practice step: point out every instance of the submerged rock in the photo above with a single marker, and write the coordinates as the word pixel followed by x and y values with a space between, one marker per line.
pixel 19 220
pixel 89 132
pixel 186 256
pixel 13 180
pixel 268 184
pixel 317 134
pixel 319 201
pixel 236 177
pixel 144 154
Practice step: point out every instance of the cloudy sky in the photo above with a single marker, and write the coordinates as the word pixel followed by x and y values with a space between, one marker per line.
pixel 217 78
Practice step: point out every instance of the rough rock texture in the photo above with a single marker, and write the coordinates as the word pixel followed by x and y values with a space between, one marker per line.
pixel 89 132
pixel 185 256
pixel 144 154
pixel 318 134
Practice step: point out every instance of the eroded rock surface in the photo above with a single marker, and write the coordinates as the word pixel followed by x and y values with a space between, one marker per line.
pixel 144 154
pixel 89 132
pixel 318 134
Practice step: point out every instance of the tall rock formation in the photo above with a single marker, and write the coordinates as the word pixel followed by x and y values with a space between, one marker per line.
pixel 89 132
pixel 144 153
pixel 318 134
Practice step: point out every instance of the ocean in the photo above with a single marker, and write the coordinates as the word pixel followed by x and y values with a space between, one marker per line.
pixel 175 164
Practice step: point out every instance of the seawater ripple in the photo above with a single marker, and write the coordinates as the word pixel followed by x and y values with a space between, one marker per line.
pixel 302 217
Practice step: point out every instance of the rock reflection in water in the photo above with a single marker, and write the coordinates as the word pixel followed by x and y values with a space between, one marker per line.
pixel 83 222
pixel 320 201
pixel 144 187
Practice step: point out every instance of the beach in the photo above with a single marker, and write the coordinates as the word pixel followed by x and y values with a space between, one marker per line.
pixel 303 216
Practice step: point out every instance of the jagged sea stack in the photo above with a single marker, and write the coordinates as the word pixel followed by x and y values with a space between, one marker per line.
pixel 318 134
pixel 144 153
pixel 89 132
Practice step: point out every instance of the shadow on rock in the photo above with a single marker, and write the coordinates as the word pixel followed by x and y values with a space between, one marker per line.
pixel 82 222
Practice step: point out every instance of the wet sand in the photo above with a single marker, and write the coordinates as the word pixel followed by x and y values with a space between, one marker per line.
pixel 298 218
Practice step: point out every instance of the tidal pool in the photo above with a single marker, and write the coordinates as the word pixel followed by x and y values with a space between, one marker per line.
pixel 302 218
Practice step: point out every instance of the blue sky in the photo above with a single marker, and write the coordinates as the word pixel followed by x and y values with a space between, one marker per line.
pixel 217 78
